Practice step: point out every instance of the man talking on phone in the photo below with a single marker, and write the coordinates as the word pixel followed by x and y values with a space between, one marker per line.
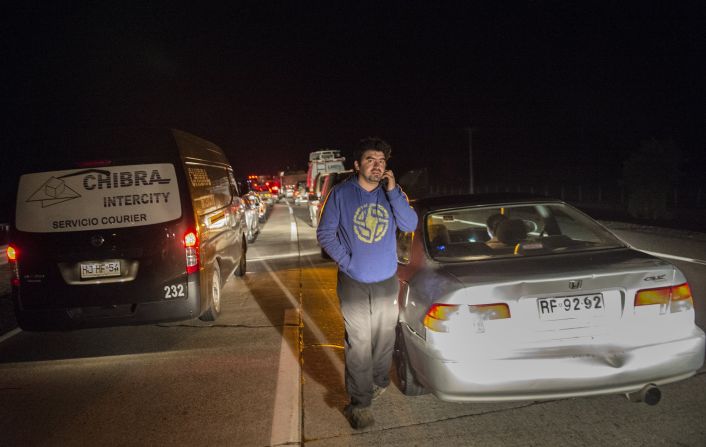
pixel 357 229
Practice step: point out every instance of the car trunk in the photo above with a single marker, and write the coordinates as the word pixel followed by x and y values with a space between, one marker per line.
pixel 569 298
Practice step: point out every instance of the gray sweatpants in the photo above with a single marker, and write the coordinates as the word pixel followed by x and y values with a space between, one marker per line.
pixel 370 315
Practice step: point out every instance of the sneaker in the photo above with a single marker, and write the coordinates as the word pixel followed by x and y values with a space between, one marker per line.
pixel 378 390
pixel 359 417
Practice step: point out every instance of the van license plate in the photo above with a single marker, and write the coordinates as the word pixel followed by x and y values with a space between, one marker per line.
pixel 100 269
pixel 580 306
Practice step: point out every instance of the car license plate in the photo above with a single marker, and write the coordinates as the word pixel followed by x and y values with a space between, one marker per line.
pixel 565 307
pixel 100 269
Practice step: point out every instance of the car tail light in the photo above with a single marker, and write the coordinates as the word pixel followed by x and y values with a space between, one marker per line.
pixel 437 319
pixel 441 317
pixel 678 298
pixel 12 254
pixel 496 311
pixel 191 248
pixel 486 312
pixel 681 298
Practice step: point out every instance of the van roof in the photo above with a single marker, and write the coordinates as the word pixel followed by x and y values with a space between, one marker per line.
pixel 327 154
pixel 115 145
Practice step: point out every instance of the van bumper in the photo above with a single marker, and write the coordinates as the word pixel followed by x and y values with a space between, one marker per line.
pixel 111 315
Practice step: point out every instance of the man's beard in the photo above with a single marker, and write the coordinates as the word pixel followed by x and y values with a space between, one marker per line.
pixel 374 178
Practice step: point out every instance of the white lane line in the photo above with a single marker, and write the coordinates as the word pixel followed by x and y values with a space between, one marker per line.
pixel 286 420
pixel 10 334
pixel 286 255
pixel 292 224
pixel 294 405
pixel 677 258
pixel 309 323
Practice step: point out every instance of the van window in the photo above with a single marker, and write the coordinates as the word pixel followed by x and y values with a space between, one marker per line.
pixel 97 198
pixel 234 191
pixel 210 187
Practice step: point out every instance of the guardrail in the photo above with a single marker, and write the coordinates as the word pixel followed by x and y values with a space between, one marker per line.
pixel 684 196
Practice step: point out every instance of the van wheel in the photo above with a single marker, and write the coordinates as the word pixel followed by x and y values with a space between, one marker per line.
pixel 215 296
pixel 242 265
pixel 407 382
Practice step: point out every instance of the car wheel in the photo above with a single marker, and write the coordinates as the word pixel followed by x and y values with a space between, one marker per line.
pixel 405 376
pixel 215 296
pixel 242 264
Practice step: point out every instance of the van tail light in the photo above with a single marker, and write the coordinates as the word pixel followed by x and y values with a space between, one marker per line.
pixel 191 249
pixel 12 254
pixel 442 317
pixel 677 298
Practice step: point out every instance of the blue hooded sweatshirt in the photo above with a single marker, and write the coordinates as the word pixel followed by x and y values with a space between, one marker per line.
pixel 357 229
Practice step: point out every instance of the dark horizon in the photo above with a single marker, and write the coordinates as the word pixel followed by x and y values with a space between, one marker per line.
pixel 550 89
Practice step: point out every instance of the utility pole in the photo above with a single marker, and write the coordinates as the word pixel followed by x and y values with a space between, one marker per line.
pixel 470 158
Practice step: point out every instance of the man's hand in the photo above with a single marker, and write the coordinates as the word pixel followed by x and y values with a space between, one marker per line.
pixel 388 177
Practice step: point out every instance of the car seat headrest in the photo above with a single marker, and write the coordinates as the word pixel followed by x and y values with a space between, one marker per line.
pixel 512 231
pixel 439 235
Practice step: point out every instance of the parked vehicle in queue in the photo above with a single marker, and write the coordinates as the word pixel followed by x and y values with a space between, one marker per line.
pixel 511 297
pixel 252 206
pixel 131 226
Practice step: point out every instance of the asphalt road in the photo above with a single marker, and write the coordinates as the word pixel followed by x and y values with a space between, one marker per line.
pixel 270 372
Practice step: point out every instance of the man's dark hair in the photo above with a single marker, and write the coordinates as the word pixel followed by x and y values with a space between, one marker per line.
pixel 372 144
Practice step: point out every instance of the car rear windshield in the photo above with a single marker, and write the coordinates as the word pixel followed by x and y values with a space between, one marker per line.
pixel 514 230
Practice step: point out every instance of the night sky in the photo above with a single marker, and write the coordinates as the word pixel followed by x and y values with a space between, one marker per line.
pixel 556 88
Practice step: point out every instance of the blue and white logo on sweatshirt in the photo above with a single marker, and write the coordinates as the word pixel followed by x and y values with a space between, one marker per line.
pixel 371 222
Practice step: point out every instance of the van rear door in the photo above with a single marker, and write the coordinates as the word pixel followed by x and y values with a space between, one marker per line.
pixel 103 236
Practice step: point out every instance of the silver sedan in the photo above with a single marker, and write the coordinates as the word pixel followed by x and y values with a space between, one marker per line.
pixel 252 206
pixel 525 298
